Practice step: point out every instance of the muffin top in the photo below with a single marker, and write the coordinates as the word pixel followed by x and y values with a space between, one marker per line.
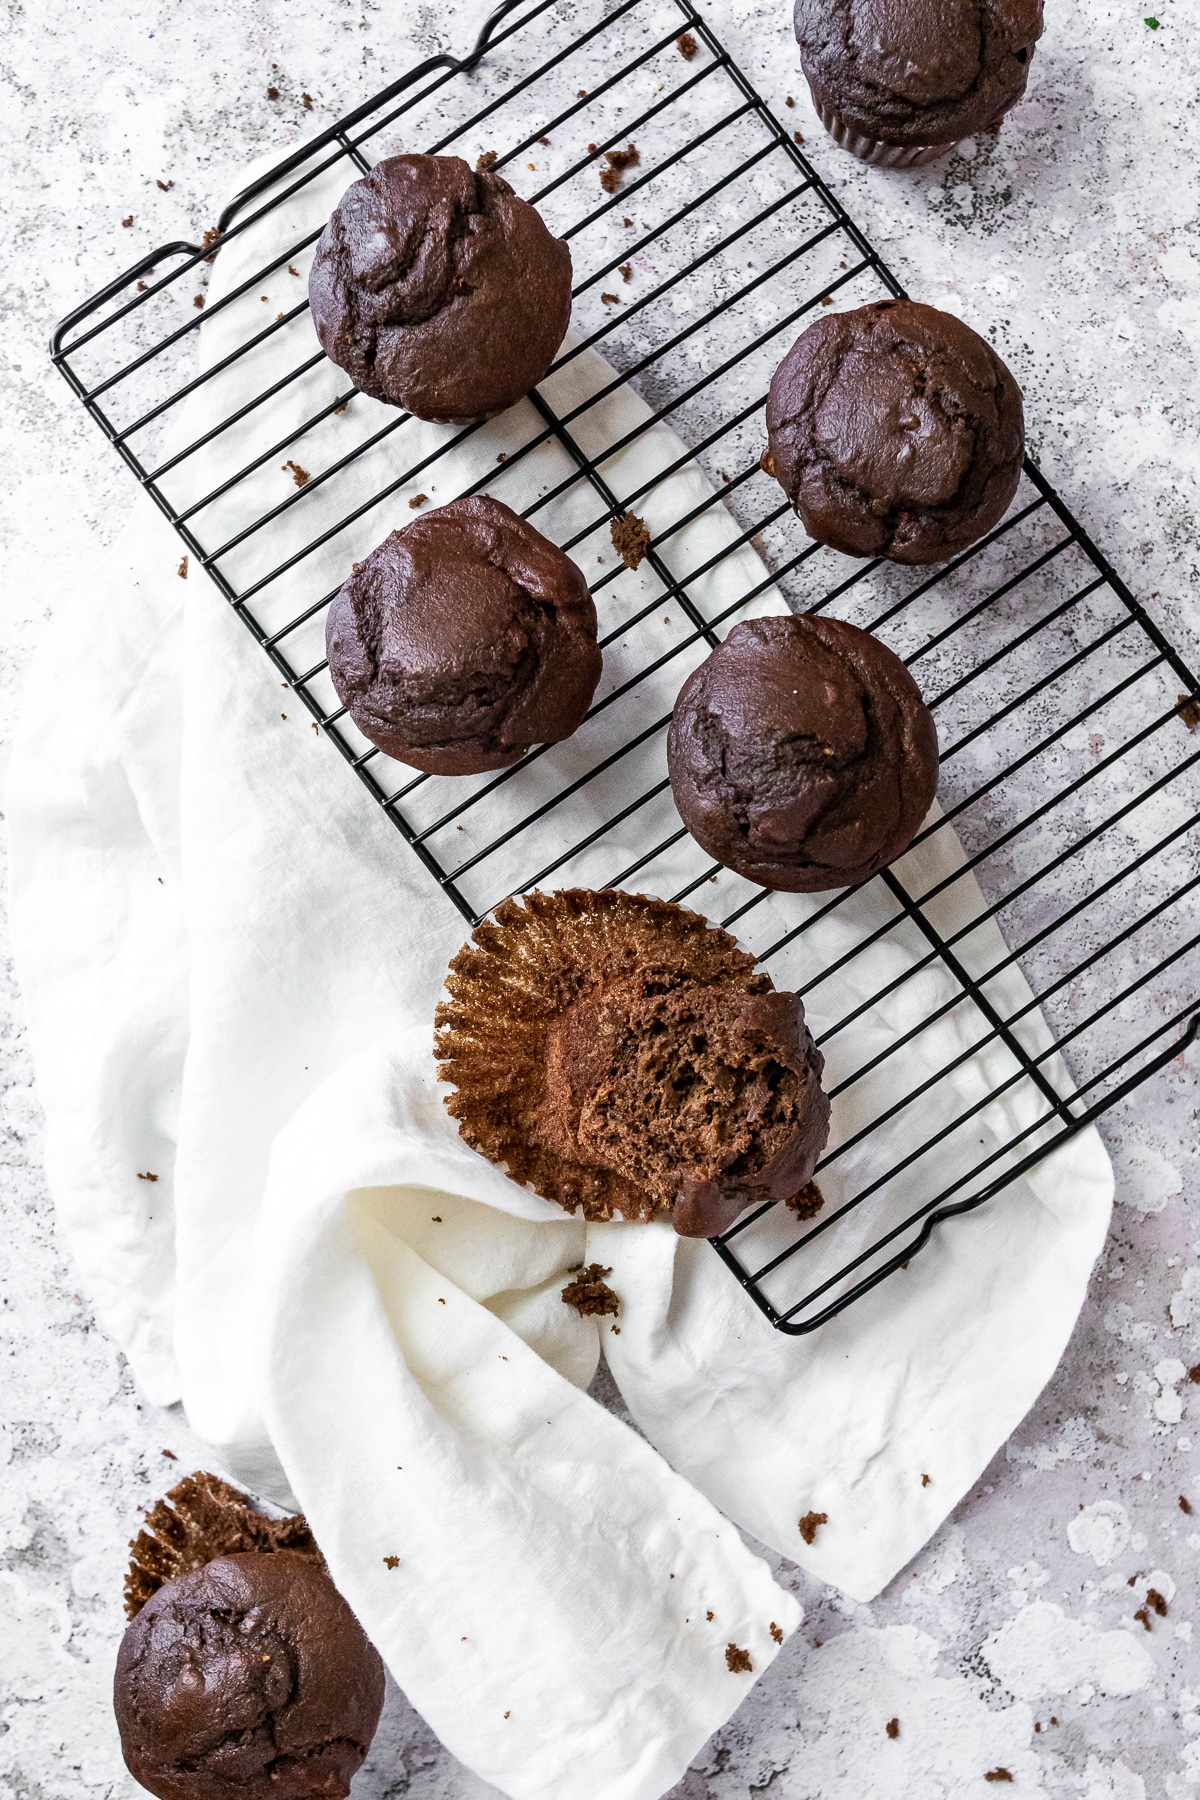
pixel 896 431
pixel 436 288
pixel 802 754
pixel 463 640
pixel 247 1677
pixel 621 1056
pixel 917 71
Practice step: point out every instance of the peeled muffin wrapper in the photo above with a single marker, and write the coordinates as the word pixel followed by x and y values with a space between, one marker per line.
pixel 620 1056
pixel 198 1520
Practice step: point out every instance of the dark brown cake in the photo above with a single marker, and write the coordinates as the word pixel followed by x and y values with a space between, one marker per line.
pixel 437 289
pixel 463 640
pixel 247 1679
pixel 802 754
pixel 199 1518
pixel 620 1055
pixel 911 74
pixel 895 431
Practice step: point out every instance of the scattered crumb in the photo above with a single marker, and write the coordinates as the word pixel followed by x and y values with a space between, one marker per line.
pixel 166 186
pixel 618 161
pixel 272 93
pixel 418 500
pixel 1155 1600
pixel 1185 1505
pixel 503 456
pixel 508 1714
pixel 441 1302
pixel 610 299
pixel 997 1775
pixel 789 101
pixel 893 1725
pixel 170 1455
pixel 796 138
pixel 589 1293
pixel 147 1176
pixel 292 271
pixel 278 316
pixel 199 300
pixel 709 1617
pixel 531 166
pixel 181 571
pixel 626 271
pixel 299 475
pixel 776 1631
pixel 628 223
pixel 544 140
pixel 488 160
pixel 686 45
pixel 925 1480
pixel 826 299
pixel 581 93
pixel 392 1562
pixel 283 715
pixel 436 1219
pixel 1193 1373
pixel 808 1202
pixel 809 1524
pixel 1143 1616
pixel 141 287
pixel 737 1660
pixel 341 406
pixel 127 222
pixel 211 236
pixel 1188 708
pixel 630 539
pixel 307 99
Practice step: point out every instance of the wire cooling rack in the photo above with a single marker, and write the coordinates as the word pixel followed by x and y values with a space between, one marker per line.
pixel 1065 716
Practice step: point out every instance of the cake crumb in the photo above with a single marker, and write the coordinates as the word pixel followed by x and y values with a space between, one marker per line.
pixel 392 1562
pixel 893 1728
pixel 1193 1373
pixel 628 223
pixel 508 1714
pixel 307 100
pixel 272 93
pixel 618 161
pixel 1188 708
pixel 418 500
pixel 199 300
pixel 997 1775
pixel 212 236
pixel 625 271
pixel 341 406
pixel 686 45
pixel 292 271
pixel 581 93
pixel 808 1202
pixel 776 1631
pixel 630 539
pixel 1185 1505
pixel 925 1480
pixel 797 138
pixel 488 160
pixel 610 299
pixel 589 1293
pixel 147 1176
pixel 299 475
pixel 166 186
pixel 436 1219
pixel 1156 1600
pixel 709 1617
pixel 127 222
pixel 1143 1617
pixel 737 1660
pixel 789 101
pixel 810 1524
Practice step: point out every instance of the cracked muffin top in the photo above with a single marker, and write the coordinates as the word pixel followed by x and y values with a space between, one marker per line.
pixel 437 289
pixel 247 1679
pixel 917 71
pixel 895 431
pixel 464 640
pixel 802 754
pixel 621 1056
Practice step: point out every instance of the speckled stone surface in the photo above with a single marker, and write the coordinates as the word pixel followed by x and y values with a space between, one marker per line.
pixel 1012 1646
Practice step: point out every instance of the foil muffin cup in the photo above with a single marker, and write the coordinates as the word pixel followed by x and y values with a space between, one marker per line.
pixel 873 150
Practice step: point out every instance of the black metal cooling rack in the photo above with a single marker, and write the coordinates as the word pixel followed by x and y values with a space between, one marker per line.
pixel 1065 715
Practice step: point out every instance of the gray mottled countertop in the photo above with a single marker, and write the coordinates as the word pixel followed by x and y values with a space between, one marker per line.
pixel 1012 1642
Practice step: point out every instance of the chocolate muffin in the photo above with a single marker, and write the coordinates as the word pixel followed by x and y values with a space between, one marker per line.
pixel 463 640
pixel 621 1056
pixel 437 289
pixel 895 431
pixel 802 754
pixel 247 1679
pixel 897 82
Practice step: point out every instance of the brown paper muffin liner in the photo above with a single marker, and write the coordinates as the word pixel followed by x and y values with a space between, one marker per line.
pixel 873 150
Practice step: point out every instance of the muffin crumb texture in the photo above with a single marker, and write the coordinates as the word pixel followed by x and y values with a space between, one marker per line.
pixel 590 1294
pixel 200 1518
pixel 621 1057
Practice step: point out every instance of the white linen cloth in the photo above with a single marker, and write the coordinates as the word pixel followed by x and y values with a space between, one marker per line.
pixel 230 962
